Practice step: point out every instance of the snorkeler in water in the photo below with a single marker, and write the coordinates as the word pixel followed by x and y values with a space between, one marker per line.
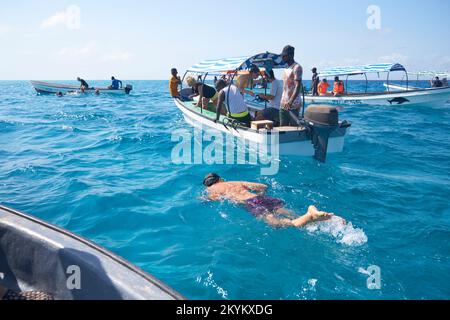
pixel 253 197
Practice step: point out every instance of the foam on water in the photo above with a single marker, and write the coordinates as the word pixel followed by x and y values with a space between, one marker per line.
pixel 344 233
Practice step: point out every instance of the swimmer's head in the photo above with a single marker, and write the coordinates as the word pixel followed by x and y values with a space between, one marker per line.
pixel 211 179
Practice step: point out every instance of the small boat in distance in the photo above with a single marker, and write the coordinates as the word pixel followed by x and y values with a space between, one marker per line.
pixel 67 267
pixel 411 97
pixel 319 133
pixel 55 88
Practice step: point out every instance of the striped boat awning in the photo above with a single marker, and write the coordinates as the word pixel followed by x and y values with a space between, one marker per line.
pixel 221 66
pixel 354 70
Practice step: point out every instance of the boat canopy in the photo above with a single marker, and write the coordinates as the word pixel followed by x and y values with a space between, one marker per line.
pixel 221 66
pixel 430 73
pixel 355 70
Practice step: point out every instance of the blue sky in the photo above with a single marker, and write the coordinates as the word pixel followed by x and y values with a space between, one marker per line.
pixel 135 39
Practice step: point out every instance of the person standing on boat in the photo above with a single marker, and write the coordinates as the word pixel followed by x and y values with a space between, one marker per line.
pixel 291 101
pixel 315 82
pixel 116 84
pixel 232 97
pixel 83 84
pixel 175 81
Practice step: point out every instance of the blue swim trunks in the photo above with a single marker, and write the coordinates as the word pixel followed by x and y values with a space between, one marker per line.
pixel 262 205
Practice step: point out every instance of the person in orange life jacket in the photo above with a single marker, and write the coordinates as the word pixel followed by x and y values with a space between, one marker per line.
pixel 338 88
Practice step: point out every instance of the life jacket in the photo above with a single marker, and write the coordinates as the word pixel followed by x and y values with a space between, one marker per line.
pixel 338 87
pixel 323 87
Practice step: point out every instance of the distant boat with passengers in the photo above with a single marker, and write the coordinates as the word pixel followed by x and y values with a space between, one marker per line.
pixel 395 95
pixel 115 88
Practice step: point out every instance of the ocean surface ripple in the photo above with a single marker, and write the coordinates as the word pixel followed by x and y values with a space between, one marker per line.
pixel 101 167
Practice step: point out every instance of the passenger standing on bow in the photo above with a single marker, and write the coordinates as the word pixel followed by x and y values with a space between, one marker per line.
pixel 116 84
pixel 291 102
pixel 232 97
pixel 175 81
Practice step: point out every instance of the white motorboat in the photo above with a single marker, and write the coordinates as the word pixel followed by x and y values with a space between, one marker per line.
pixel 319 133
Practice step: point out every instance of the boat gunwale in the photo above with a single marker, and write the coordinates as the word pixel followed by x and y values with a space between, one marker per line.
pixel 342 124
pixel 106 253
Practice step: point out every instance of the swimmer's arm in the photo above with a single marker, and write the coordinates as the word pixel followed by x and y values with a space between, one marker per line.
pixel 258 187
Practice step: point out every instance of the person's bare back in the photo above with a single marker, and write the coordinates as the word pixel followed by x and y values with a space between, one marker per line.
pixel 237 192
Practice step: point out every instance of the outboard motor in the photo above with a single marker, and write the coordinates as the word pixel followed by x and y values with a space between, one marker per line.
pixel 321 122
pixel 128 88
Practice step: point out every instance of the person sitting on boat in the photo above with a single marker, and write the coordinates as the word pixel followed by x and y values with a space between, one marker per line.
pixel 245 81
pixel 315 82
pixel 291 101
pixel 436 83
pixel 322 88
pixel 274 97
pixel 339 88
pixel 253 197
pixel 232 97
pixel 116 84
pixel 204 92
pixel 83 84
pixel 445 82
pixel 175 81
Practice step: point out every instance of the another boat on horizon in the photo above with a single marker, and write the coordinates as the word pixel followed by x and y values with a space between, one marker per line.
pixel 411 97
pixel 58 88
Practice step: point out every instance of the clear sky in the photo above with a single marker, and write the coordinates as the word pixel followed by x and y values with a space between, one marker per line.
pixel 136 39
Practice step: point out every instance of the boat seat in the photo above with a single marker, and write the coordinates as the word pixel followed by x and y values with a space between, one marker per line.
pixel 288 129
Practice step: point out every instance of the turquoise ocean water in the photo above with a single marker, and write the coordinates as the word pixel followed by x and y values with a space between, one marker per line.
pixel 101 167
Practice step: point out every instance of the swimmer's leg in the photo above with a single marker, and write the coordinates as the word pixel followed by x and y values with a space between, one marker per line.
pixel 313 215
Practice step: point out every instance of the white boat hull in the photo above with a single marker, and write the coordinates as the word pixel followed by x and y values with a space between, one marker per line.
pixel 423 97
pixel 54 88
pixel 290 143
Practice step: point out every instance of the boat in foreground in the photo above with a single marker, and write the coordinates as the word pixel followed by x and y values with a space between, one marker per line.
pixel 55 88
pixel 411 97
pixel 318 134
pixel 37 256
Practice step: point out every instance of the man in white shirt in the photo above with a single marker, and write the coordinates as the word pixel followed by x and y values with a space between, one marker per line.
pixel 274 97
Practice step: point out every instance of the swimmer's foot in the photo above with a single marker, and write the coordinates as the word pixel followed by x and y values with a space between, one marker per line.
pixel 315 215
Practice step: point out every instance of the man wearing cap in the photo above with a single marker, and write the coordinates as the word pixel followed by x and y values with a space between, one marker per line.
pixel 291 102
